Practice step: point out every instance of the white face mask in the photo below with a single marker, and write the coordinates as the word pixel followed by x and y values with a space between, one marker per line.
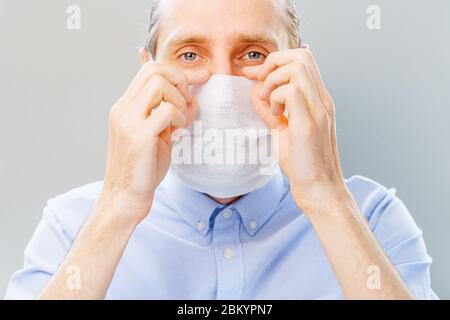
pixel 226 152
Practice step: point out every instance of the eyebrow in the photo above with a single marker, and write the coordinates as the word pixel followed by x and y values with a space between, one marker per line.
pixel 255 38
pixel 187 39
pixel 183 40
pixel 245 38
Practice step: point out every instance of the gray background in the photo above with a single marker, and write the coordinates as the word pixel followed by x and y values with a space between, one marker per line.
pixel 391 89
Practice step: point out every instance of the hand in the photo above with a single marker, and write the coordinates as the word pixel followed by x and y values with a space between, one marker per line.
pixel 140 126
pixel 306 140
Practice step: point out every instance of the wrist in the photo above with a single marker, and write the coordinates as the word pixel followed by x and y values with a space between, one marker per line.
pixel 122 208
pixel 323 199
pixel 106 231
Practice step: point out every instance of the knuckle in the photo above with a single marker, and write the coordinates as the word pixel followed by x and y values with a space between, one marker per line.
pixel 292 90
pixel 183 105
pixel 331 114
pixel 270 79
pixel 329 105
pixel 176 114
pixel 275 96
pixel 172 110
pixel 323 119
pixel 158 81
pixel 175 73
pixel 301 67
pixel 165 109
pixel 181 75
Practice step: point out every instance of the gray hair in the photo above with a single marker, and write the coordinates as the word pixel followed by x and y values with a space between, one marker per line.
pixel 286 8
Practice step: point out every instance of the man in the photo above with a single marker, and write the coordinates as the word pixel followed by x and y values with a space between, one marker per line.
pixel 305 233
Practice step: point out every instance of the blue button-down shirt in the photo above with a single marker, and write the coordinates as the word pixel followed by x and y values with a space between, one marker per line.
pixel 191 247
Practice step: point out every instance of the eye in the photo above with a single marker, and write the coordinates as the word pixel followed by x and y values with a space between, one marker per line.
pixel 254 55
pixel 190 56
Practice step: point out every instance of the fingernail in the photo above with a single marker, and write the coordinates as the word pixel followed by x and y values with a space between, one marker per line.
pixel 305 46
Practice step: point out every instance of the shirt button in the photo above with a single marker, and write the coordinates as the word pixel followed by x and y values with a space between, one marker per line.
pixel 227 213
pixel 228 254
pixel 253 224
pixel 201 226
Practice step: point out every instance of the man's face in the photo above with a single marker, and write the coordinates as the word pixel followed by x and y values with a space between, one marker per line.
pixel 220 36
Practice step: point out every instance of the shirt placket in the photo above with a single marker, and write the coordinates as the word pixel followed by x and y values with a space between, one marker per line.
pixel 228 254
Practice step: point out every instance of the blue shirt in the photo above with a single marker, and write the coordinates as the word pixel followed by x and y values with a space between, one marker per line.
pixel 190 247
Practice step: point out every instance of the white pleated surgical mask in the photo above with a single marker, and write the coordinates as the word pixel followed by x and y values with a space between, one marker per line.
pixel 227 151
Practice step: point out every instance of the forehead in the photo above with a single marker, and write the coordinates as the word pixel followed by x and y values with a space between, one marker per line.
pixel 220 19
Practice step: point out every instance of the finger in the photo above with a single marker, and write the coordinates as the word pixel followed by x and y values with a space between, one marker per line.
pixel 165 116
pixel 305 46
pixel 149 69
pixel 196 77
pixel 276 108
pixel 302 77
pixel 251 72
pixel 157 90
pixel 277 59
pixel 280 58
pixel 302 55
pixel 298 74
pixel 263 110
pixel 293 99
pixel 325 96
pixel 327 102
pixel 279 77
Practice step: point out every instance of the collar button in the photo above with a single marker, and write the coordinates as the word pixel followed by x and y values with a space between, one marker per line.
pixel 200 226
pixel 253 225
pixel 227 213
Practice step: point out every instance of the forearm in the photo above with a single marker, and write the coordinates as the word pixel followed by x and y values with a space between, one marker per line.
pixel 354 253
pixel 88 268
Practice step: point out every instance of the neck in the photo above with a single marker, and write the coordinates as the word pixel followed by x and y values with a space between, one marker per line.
pixel 224 201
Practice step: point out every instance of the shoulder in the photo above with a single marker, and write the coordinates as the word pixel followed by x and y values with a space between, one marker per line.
pixel 368 193
pixel 82 193
pixel 380 205
pixel 72 208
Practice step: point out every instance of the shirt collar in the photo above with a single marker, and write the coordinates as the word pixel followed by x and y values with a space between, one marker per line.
pixel 197 209
pixel 258 206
